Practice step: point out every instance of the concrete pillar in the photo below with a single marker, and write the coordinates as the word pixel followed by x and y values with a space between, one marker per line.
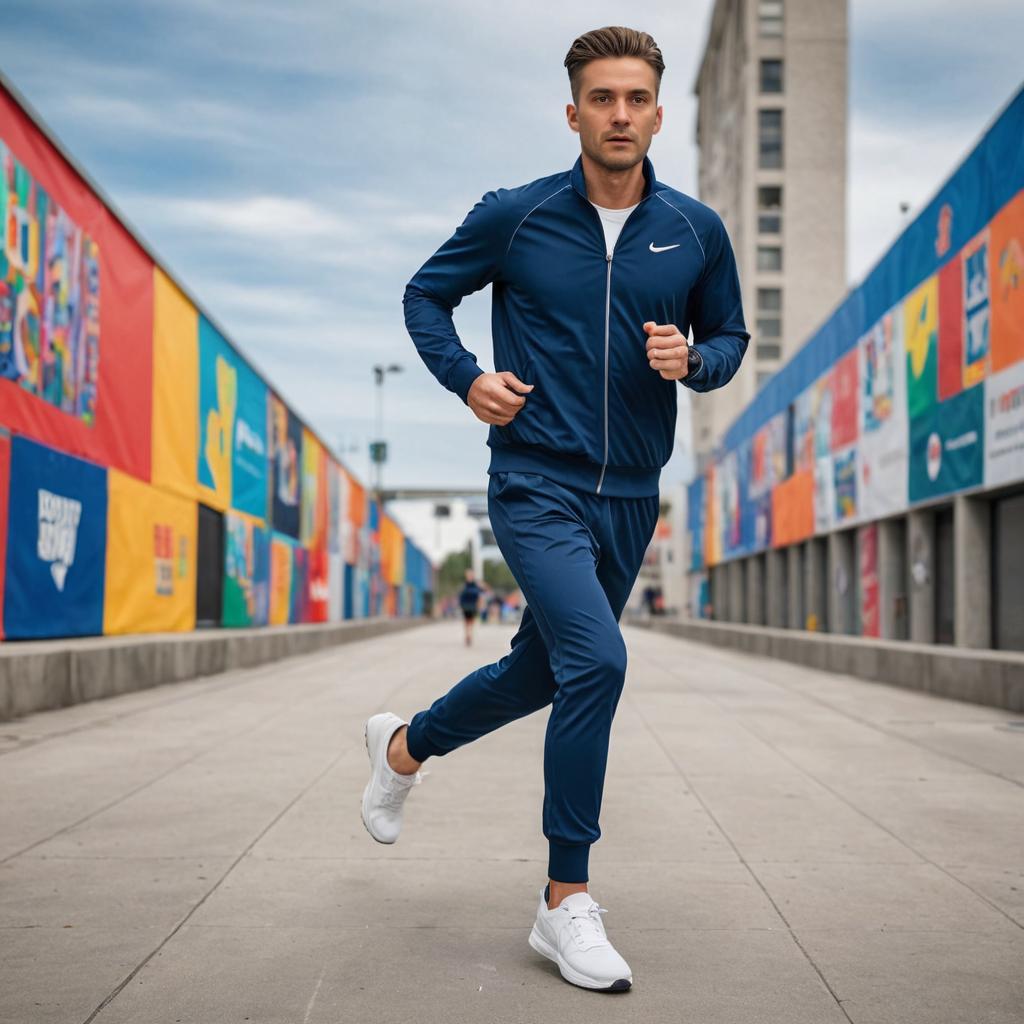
pixel 972 572
pixel 921 556
pixel 892 579
pixel 738 590
pixel 840 581
pixel 755 590
pixel 816 582
pixel 795 579
pixel 775 588
pixel 719 595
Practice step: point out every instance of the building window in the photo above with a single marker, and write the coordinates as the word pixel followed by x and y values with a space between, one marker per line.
pixel 763 376
pixel 769 327
pixel 769 300
pixel 768 350
pixel 769 209
pixel 771 76
pixel 769 18
pixel 769 138
pixel 769 257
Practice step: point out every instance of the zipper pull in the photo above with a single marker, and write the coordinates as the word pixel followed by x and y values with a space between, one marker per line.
pixel 608 257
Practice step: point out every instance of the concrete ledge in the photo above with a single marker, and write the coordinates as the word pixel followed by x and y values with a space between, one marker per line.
pixel 42 674
pixel 995 678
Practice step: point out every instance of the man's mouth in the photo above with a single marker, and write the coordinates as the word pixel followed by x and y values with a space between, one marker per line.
pixel 619 138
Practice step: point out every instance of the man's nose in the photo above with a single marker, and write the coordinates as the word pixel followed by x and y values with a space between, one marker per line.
pixel 620 115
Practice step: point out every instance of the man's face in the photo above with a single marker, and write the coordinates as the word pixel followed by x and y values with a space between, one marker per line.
pixel 618 111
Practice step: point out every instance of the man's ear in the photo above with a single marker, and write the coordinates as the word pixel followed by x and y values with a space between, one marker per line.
pixel 572 117
pixel 657 120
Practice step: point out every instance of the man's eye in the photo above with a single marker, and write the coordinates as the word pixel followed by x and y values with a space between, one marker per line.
pixel 640 99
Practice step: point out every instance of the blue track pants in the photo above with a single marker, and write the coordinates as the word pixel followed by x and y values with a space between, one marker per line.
pixel 575 556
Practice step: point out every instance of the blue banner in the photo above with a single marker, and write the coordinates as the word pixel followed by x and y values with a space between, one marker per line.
pixel 56 545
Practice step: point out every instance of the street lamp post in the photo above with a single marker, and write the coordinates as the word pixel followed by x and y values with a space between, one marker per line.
pixel 378 447
pixel 378 456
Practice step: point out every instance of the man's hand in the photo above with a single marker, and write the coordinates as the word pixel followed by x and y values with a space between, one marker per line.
pixel 667 350
pixel 493 400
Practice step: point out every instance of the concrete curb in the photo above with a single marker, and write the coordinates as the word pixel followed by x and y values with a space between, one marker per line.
pixel 994 678
pixel 40 675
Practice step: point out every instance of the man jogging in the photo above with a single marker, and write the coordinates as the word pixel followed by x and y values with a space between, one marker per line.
pixel 598 275
pixel 469 602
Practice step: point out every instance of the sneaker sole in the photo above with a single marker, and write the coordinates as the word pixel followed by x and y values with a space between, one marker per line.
pixel 366 793
pixel 542 946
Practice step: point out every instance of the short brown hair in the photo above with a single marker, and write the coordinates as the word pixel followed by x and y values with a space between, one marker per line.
pixel 611 41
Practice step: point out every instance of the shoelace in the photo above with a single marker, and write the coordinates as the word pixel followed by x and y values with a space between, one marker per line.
pixel 587 925
pixel 395 792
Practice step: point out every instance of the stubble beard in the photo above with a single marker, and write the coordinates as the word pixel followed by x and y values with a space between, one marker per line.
pixel 615 164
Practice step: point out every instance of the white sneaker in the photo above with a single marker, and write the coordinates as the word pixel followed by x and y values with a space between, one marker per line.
pixel 386 791
pixel 573 936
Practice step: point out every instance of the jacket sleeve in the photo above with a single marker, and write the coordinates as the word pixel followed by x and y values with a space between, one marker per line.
pixel 716 314
pixel 467 262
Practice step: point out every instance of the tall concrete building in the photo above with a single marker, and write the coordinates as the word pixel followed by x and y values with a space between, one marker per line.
pixel 771 135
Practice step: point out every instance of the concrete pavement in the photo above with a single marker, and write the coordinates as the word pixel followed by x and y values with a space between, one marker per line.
pixel 780 845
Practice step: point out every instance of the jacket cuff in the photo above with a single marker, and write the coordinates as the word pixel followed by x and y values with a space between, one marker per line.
pixel 700 375
pixel 461 378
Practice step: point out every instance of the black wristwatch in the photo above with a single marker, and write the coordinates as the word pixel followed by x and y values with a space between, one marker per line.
pixel 693 360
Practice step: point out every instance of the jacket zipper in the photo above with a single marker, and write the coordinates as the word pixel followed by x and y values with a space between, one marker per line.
pixel 607 323
pixel 607 331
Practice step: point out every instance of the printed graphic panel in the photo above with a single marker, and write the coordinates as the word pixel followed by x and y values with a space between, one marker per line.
pixel 882 447
pixel 56 544
pixel 920 331
pixel 281 578
pixel 869 606
pixel 793 509
pixel 76 307
pixel 845 392
pixel 246 571
pixel 947 446
pixel 1004 426
pixel 1006 284
pixel 233 469
pixel 151 558
pixel 318 585
pixel 285 467
pixel 5 477
pixel 175 388
pixel 314 492
pixel 356 519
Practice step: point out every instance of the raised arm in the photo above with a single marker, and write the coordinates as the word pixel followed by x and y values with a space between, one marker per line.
pixel 467 262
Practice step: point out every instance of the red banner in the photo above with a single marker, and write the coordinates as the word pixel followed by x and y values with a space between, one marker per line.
pixel 5 477
pixel 110 419
pixel 844 400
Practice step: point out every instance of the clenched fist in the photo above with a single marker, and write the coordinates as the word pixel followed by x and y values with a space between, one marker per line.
pixel 667 350
pixel 493 400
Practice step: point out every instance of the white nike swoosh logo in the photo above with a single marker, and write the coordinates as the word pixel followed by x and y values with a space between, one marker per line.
pixel 664 248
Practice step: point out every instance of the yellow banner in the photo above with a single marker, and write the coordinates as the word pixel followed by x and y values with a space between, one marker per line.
pixel 151 559
pixel 175 388
pixel 392 551
pixel 281 559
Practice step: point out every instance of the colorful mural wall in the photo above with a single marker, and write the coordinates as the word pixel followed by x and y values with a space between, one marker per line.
pixel 122 409
pixel 913 389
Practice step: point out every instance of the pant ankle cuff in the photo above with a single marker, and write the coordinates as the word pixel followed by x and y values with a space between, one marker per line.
pixel 568 863
pixel 419 747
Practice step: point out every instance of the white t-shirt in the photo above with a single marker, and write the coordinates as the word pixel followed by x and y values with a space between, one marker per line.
pixel 612 221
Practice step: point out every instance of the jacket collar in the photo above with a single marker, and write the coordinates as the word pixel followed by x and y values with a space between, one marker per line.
pixel 579 183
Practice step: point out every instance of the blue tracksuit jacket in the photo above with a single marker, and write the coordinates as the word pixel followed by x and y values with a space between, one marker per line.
pixel 568 317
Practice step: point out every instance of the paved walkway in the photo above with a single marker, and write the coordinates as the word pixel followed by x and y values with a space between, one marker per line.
pixel 779 846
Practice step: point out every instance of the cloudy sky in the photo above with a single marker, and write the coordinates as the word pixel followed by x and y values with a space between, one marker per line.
pixel 293 164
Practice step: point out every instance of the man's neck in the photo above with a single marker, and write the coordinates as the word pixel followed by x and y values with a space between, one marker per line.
pixel 614 190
